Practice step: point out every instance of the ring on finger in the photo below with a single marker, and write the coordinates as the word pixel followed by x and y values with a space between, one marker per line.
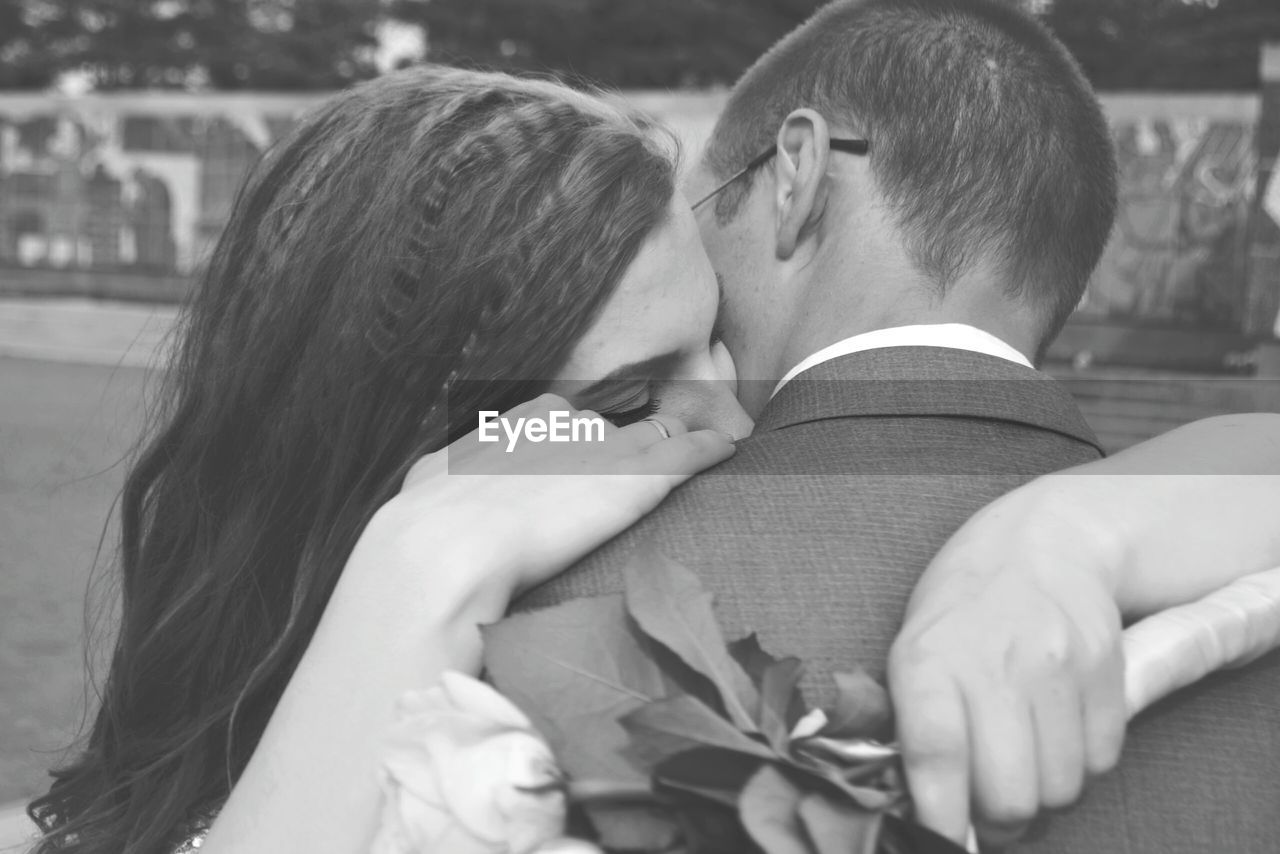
pixel 659 426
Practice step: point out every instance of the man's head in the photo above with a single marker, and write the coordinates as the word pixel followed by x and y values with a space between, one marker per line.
pixel 987 195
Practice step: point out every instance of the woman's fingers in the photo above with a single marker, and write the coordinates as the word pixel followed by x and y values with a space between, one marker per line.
pixel 1004 754
pixel 522 441
pixel 1057 715
pixel 664 446
pixel 652 430
pixel 556 480
pixel 1037 672
pixel 683 455
pixel 1104 714
pixel 933 730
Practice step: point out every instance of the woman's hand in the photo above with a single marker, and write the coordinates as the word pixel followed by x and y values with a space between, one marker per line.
pixel 1008 676
pixel 524 510
pixel 471 525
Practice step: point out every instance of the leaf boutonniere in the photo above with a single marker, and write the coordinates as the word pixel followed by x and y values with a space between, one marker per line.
pixel 673 740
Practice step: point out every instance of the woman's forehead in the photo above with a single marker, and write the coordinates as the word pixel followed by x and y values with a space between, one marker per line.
pixel 665 304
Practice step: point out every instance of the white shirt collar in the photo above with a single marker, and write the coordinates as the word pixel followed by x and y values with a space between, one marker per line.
pixel 954 336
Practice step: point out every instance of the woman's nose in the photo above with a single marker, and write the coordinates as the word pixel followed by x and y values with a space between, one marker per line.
pixel 725 369
pixel 731 418
pixel 723 410
pixel 705 395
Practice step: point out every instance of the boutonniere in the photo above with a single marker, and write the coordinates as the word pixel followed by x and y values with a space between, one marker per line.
pixel 670 739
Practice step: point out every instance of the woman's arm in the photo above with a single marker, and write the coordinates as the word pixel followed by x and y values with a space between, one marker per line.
pixel 312 784
pixel 1159 524
pixel 1178 516
pixel 471 526
pixel 1008 673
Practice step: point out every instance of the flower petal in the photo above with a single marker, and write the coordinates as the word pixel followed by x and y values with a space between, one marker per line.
pixel 534 819
pixel 811 724
pixel 409 825
pixel 464 771
pixel 475 782
pixel 457 840
pixel 478 698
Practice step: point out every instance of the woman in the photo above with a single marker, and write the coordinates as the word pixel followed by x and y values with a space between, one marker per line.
pixel 388 269
pixel 291 561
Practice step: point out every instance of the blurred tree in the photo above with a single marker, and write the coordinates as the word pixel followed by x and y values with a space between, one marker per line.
pixel 1167 44
pixel 287 44
pixel 1122 44
pixel 624 44
pixel 229 44
pixel 25 60
pixel 322 44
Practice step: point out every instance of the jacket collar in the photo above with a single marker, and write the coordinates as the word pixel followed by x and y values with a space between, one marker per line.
pixel 926 381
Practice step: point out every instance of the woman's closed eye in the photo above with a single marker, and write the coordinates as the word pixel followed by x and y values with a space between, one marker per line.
pixel 626 395
pixel 623 417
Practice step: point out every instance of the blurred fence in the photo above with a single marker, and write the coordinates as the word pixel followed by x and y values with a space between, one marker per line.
pixel 122 195
pixel 135 184
pixel 1179 251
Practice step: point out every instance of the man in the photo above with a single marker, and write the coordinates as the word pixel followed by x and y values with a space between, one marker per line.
pixel 929 186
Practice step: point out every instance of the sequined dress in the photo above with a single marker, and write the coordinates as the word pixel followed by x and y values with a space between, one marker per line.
pixel 194 838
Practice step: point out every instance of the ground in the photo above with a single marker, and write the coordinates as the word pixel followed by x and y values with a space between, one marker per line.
pixel 64 430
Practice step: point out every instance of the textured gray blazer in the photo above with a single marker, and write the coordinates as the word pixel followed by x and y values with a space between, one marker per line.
pixel 814 533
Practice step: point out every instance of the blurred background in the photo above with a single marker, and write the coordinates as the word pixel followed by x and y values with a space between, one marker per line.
pixel 127 125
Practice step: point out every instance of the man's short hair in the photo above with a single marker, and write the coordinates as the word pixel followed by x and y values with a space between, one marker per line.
pixel 986 139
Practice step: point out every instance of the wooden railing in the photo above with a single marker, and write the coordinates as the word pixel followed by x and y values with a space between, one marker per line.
pixel 1125 407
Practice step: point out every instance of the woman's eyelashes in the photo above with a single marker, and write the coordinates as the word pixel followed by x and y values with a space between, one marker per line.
pixel 631 416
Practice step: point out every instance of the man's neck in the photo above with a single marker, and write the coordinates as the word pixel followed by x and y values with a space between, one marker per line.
pixel 852 289
pixel 950 336
pixel 841 314
pixel 803 350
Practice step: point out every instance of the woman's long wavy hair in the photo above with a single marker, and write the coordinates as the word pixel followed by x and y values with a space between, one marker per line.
pixel 427 228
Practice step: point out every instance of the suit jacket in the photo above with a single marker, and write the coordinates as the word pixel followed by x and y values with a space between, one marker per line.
pixel 813 535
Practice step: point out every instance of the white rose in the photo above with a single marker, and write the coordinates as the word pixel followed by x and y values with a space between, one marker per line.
pixel 466 773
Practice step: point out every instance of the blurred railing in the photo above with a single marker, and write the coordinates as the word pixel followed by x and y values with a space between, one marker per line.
pixel 121 195
pixel 137 182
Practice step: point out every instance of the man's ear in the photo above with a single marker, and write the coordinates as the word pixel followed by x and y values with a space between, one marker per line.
pixel 800 170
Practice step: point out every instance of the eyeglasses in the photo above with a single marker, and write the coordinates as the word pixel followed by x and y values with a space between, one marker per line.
pixel 849 146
